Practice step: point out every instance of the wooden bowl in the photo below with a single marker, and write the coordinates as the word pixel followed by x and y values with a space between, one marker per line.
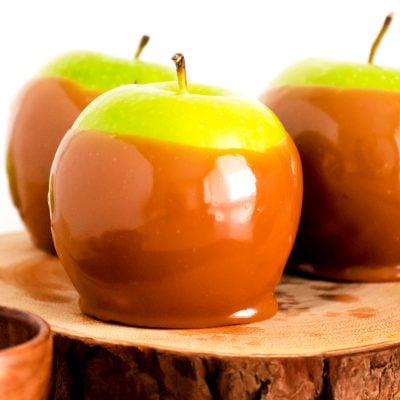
pixel 25 355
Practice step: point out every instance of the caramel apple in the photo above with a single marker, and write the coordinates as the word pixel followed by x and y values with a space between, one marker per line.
pixel 175 205
pixel 45 109
pixel 344 119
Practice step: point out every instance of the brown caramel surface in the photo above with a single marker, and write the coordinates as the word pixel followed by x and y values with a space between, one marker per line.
pixel 163 235
pixel 349 146
pixel 43 113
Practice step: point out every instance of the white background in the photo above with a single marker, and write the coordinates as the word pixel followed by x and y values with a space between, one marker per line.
pixel 238 44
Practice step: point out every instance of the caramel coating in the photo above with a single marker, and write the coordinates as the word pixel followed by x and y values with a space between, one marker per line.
pixel 349 146
pixel 163 235
pixel 44 111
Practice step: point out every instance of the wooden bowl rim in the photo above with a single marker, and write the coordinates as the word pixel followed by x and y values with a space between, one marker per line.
pixel 41 337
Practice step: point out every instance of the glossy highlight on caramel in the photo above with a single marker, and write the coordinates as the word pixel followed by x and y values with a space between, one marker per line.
pixel 158 234
pixel 44 111
pixel 348 141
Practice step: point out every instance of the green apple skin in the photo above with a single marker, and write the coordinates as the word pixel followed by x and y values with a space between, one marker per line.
pixel 44 111
pixel 322 72
pixel 173 209
pixel 158 111
pixel 344 119
pixel 100 73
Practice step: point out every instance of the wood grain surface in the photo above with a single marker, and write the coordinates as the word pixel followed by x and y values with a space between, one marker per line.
pixel 328 341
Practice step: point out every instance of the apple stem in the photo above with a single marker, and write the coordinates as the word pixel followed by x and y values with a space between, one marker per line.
pixel 179 60
pixel 378 39
pixel 142 44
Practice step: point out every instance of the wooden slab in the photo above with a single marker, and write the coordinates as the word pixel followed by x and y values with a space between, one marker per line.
pixel 328 340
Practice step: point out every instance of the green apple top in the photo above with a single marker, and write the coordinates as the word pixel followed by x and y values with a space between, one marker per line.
pixel 194 115
pixel 319 72
pixel 99 72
